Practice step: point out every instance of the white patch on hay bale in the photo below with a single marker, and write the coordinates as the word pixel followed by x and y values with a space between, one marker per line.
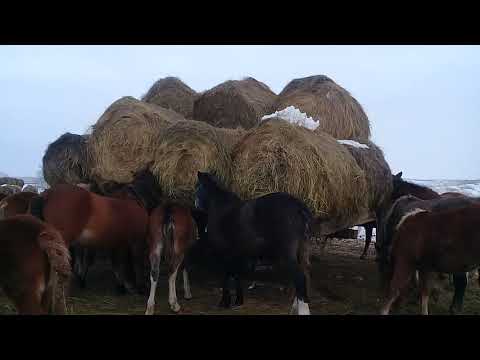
pixel 294 116
pixel 353 143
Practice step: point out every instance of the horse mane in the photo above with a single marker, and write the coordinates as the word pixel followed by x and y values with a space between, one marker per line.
pixel 221 192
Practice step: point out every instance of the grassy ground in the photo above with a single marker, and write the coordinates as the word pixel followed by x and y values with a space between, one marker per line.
pixel 342 284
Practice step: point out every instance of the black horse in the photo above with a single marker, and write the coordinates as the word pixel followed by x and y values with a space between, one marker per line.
pixel 275 227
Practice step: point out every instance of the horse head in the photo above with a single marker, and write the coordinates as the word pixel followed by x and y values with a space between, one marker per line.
pixel 145 186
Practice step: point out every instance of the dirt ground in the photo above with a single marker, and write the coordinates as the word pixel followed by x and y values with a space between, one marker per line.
pixel 342 284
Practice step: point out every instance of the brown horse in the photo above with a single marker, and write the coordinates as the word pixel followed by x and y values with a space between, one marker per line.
pixel 34 264
pixel 445 239
pixel 16 204
pixel 172 232
pixel 96 221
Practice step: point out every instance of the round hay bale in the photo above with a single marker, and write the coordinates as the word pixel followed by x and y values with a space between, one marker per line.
pixel 235 103
pixel 30 188
pixel 172 93
pixel 280 157
pixel 337 112
pixel 11 181
pixel 7 189
pixel 67 160
pixel 124 138
pixel 230 137
pixel 377 173
pixel 187 147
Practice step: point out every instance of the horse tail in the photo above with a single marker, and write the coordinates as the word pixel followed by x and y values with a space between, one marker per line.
pixel 36 206
pixel 52 244
pixel 168 234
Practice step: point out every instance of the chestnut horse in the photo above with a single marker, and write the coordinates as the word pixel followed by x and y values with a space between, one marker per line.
pixel 34 265
pixel 96 221
pixel 16 204
pixel 172 233
pixel 441 236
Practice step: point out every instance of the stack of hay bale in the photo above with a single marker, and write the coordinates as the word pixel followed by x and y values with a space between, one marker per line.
pixel 176 132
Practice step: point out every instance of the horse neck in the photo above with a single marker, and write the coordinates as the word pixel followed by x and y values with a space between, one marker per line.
pixel 221 200
pixel 419 191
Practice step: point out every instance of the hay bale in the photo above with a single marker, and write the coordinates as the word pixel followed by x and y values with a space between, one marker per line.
pixel 187 147
pixel 67 160
pixel 230 137
pixel 124 138
pixel 337 112
pixel 11 181
pixel 172 93
pixel 377 173
pixel 314 167
pixel 234 103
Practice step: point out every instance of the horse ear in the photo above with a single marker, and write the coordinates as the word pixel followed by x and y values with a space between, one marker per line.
pixel 399 175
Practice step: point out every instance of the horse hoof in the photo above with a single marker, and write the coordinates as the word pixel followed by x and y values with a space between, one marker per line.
pixel 150 311
pixel 175 308
pixel 188 297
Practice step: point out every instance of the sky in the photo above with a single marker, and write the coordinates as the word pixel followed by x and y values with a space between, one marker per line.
pixel 422 101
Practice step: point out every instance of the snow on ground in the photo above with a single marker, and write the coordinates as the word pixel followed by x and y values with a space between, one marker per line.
pixel 353 143
pixel 294 116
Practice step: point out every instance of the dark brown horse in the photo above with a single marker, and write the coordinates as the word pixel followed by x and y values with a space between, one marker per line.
pixel 172 233
pixel 443 237
pixel 34 265
pixel 95 221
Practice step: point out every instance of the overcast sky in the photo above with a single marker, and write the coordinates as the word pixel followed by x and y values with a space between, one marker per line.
pixel 423 101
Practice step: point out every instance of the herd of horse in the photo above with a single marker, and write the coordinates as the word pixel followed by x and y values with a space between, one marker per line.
pixel 44 238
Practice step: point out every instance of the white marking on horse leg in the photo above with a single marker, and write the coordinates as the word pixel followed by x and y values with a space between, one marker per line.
pixel 303 308
pixel 386 308
pixel 187 294
pixel 424 300
pixel 417 278
pixel 172 293
pixel 253 285
pixel 294 308
pixel 409 214
pixel 151 298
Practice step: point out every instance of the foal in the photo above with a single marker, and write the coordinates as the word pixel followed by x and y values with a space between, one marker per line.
pixel 274 227
pixel 172 232
pixel 34 265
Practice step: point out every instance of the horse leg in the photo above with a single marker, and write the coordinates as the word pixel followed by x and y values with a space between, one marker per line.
pixel 301 300
pixel 225 302
pixel 155 257
pixel 239 291
pixel 424 283
pixel 172 278
pixel 368 240
pixel 120 269
pixel 138 252
pixel 187 293
pixel 460 282
pixel 402 273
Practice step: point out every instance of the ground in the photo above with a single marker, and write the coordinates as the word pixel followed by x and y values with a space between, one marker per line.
pixel 342 284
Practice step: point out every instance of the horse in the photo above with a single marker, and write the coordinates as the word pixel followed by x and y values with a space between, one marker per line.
pixel 368 236
pixel 101 222
pixel 16 204
pixel 34 265
pixel 275 227
pixel 172 233
pixel 442 236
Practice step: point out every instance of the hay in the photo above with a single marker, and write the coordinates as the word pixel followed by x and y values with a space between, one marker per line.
pixel 337 112
pixel 235 103
pixel 67 160
pixel 314 167
pixel 172 93
pixel 377 173
pixel 11 181
pixel 230 137
pixel 124 138
pixel 187 147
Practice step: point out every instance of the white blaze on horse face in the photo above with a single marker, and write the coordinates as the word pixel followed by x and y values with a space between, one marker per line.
pixel 409 214
pixel 303 308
